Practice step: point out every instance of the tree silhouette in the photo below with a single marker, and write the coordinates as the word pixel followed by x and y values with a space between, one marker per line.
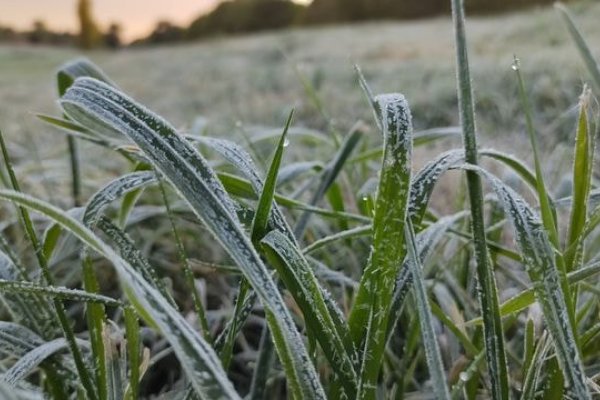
pixel 89 34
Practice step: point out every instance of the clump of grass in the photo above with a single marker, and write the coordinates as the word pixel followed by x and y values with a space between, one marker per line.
pixel 403 314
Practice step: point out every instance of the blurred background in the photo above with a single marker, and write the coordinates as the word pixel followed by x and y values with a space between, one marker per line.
pixel 237 67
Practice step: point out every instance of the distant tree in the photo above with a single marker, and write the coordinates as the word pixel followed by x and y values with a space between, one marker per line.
pixel 39 33
pixel 8 34
pixel 112 38
pixel 165 32
pixel 89 34
pixel 242 16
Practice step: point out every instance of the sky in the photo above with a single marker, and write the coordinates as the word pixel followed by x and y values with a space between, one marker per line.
pixel 136 17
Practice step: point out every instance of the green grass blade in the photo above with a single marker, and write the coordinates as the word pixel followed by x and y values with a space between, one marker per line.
pixel 260 223
pixel 242 161
pixel 583 165
pixel 329 175
pixel 534 369
pixel 242 188
pixel 80 67
pixel 266 358
pixel 432 350
pixel 187 271
pixel 488 296
pixel 372 302
pixel 426 241
pixel 300 280
pixel 188 172
pixel 96 317
pixel 545 205
pixel 265 202
pixel 580 42
pixel 132 333
pixel 539 259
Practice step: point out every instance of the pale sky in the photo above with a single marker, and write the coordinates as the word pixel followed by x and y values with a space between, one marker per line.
pixel 137 17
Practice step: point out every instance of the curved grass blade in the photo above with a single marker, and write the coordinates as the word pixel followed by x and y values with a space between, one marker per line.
pixel 488 296
pixel 369 318
pixel 538 255
pixel 80 67
pixel 424 181
pixel 197 358
pixel 432 350
pixel 32 359
pixel 299 279
pixel 360 231
pixel 289 173
pixel 113 191
pixel 65 77
pixel 195 181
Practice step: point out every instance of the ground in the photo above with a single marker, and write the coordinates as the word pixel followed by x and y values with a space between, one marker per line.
pixel 240 83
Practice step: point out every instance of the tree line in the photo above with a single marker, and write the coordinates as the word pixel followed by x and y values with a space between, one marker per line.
pixel 244 16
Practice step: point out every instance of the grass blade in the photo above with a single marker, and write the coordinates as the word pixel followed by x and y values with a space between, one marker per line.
pixel 432 350
pixel 583 165
pixel 488 296
pixel 90 101
pixel 265 202
pixel 113 191
pixel 299 279
pixel 539 259
pixel 370 314
pixel 329 175
pixel 580 42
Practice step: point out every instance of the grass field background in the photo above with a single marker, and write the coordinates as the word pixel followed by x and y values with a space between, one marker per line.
pixel 249 82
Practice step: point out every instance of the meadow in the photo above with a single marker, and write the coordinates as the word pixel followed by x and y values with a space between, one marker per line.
pixel 279 237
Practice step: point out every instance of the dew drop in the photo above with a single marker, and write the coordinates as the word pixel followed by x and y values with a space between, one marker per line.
pixel 516 65
pixel 286 142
